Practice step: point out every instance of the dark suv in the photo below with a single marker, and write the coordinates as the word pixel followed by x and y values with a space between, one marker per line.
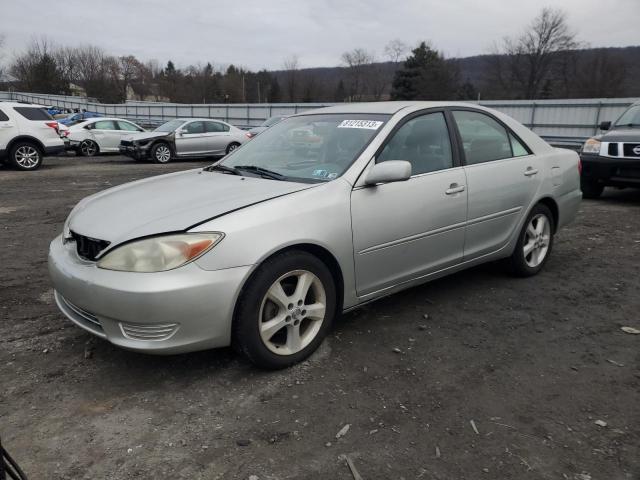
pixel 613 158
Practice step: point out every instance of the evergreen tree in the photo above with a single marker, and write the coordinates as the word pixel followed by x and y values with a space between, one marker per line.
pixel 425 75
pixel 341 92
pixel 467 91
pixel 275 94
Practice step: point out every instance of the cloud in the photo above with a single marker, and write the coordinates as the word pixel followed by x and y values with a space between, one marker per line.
pixel 259 34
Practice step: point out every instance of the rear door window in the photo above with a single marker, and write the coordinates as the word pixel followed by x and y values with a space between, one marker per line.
pixel 105 125
pixel 216 127
pixel 127 126
pixel 33 113
pixel 483 139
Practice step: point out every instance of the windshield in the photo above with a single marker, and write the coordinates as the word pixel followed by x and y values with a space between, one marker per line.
pixel 271 121
pixel 309 148
pixel 170 126
pixel 630 118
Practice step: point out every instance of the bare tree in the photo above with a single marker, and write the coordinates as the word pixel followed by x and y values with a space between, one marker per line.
pixel 291 66
pixel 395 50
pixel 1 57
pixel 531 56
pixel 357 62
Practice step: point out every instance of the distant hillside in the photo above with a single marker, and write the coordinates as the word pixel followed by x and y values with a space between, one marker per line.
pixel 475 70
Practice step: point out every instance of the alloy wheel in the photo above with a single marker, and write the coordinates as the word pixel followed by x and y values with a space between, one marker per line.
pixel 537 238
pixel 292 312
pixel 163 154
pixel 88 148
pixel 27 157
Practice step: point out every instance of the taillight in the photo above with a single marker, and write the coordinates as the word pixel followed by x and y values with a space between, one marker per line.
pixel 249 135
pixel 53 125
pixel 579 166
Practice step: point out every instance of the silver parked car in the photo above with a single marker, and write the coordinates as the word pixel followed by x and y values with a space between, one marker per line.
pixel 99 135
pixel 321 213
pixel 184 137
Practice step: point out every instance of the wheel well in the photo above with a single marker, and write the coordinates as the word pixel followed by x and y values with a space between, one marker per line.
pixel 159 141
pixel 551 204
pixel 24 138
pixel 326 257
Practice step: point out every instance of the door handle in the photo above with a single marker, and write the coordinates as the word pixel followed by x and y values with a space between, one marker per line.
pixel 6 126
pixel 530 171
pixel 454 188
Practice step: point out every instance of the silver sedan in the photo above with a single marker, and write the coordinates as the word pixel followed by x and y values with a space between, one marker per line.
pixel 321 213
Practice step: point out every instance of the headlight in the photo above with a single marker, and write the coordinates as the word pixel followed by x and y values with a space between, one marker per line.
pixel 158 254
pixel 591 146
pixel 66 231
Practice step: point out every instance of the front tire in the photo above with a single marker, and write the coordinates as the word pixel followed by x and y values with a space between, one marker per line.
pixel 160 153
pixel 591 189
pixel 535 242
pixel 285 311
pixel 25 156
pixel 88 148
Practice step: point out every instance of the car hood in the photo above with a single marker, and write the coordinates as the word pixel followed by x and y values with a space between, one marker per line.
pixel 170 203
pixel 621 135
pixel 146 135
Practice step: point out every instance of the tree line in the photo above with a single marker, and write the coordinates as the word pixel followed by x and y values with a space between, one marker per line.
pixel 544 61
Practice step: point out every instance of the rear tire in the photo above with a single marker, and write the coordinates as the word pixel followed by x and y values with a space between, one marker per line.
pixel 591 189
pixel 285 310
pixel 25 156
pixel 232 147
pixel 88 148
pixel 534 243
pixel 160 153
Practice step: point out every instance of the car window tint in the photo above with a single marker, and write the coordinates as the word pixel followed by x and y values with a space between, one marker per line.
pixel 3 116
pixel 194 127
pixel 33 113
pixel 483 138
pixel 214 127
pixel 424 142
pixel 127 126
pixel 517 147
pixel 105 125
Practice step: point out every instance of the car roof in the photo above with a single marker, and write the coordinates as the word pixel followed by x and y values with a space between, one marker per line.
pixel 21 104
pixel 388 108
pixel 199 119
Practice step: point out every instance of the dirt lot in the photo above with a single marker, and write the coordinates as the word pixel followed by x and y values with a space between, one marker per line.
pixel 533 363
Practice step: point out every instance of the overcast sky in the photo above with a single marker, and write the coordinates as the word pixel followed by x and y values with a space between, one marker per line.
pixel 261 34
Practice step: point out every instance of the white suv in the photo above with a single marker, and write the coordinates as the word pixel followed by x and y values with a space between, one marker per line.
pixel 27 133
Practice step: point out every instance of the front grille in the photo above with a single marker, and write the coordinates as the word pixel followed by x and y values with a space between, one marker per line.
pixel 87 247
pixel 148 332
pixel 629 150
pixel 613 149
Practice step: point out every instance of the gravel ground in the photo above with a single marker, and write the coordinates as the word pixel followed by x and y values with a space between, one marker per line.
pixel 478 375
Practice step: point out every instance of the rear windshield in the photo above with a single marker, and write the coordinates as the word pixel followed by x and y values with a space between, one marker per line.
pixel 33 113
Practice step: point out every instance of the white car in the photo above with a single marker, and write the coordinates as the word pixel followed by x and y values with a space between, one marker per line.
pixel 27 134
pixel 100 135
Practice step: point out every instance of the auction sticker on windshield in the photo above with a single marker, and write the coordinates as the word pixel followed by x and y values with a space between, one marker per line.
pixel 368 124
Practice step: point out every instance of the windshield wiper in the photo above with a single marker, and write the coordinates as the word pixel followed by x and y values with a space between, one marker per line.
pixel 222 168
pixel 262 171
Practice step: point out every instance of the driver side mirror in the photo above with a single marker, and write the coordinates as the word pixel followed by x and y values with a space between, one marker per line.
pixel 605 125
pixel 389 171
pixel 180 132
